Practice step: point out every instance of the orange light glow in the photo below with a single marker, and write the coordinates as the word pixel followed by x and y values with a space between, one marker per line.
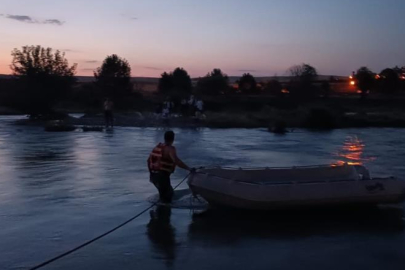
pixel 285 91
pixel 351 77
pixel 377 76
pixel 352 83
pixel 352 152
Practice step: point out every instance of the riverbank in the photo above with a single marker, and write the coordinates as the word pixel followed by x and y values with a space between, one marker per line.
pixel 318 118
pixel 255 112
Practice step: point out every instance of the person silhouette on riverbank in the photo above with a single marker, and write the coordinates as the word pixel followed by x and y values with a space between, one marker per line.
pixel 108 113
pixel 162 162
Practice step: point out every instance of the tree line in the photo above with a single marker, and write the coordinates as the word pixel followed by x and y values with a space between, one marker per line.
pixel 301 83
pixel 43 78
pixel 388 81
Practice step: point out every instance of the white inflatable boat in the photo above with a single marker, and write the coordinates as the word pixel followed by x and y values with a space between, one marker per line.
pixel 275 188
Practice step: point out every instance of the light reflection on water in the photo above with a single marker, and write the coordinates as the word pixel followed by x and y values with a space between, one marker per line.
pixel 60 189
pixel 352 152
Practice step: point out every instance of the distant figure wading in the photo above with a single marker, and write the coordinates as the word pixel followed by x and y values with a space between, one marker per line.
pixel 108 113
pixel 162 162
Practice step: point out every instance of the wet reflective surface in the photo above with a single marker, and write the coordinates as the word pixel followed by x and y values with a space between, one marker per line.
pixel 352 152
pixel 58 190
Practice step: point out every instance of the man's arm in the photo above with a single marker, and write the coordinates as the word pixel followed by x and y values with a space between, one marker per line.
pixel 177 160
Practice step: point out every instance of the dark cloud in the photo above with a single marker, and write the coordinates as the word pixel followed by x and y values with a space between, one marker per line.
pixel 21 18
pixel 88 69
pixel 91 61
pixel 134 18
pixel 29 19
pixel 53 21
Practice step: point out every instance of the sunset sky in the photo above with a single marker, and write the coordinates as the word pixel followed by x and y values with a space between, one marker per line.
pixel 263 37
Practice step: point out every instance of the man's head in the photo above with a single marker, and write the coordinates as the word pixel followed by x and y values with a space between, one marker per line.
pixel 169 137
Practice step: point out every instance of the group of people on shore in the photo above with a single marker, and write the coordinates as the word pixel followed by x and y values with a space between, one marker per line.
pixel 192 106
pixel 189 107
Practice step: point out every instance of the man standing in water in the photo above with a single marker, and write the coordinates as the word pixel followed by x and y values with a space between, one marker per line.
pixel 108 113
pixel 161 164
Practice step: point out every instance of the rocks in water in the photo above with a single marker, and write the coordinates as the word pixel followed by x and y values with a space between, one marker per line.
pixel 92 129
pixel 59 126
pixel 92 115
pixel 279 128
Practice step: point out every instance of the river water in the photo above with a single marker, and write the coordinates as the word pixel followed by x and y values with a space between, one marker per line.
pixel 58 190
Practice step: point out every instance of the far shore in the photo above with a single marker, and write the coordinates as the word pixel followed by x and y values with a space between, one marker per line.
pixel 290 120
pixel 245 112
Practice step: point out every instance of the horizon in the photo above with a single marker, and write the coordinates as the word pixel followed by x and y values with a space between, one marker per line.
pixel 263 38
pixel 199 77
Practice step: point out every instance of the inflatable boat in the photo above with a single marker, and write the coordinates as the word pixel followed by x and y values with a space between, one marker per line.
pixel 294 187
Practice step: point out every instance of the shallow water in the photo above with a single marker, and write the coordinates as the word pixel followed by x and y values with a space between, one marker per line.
pixel 58 190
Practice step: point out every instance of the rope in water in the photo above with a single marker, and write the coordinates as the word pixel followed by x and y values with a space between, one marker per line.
pixel 101 235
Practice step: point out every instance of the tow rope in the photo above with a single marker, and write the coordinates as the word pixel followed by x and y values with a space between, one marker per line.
pixel 60 256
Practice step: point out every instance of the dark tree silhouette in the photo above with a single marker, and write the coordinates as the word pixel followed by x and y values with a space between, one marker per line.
pixel 398 70
pixel 389 81
pixel 44 78
pixel 177 82
pixel 216 82
pixel 302 78
pixel 182 81
pixel 247 84
pixel 365 81
pixel 303 73
pixel 165 83
pixel 113 78
pixel 402 77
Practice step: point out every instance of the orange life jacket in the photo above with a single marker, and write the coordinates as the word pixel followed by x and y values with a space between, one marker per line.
pixel 157 162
